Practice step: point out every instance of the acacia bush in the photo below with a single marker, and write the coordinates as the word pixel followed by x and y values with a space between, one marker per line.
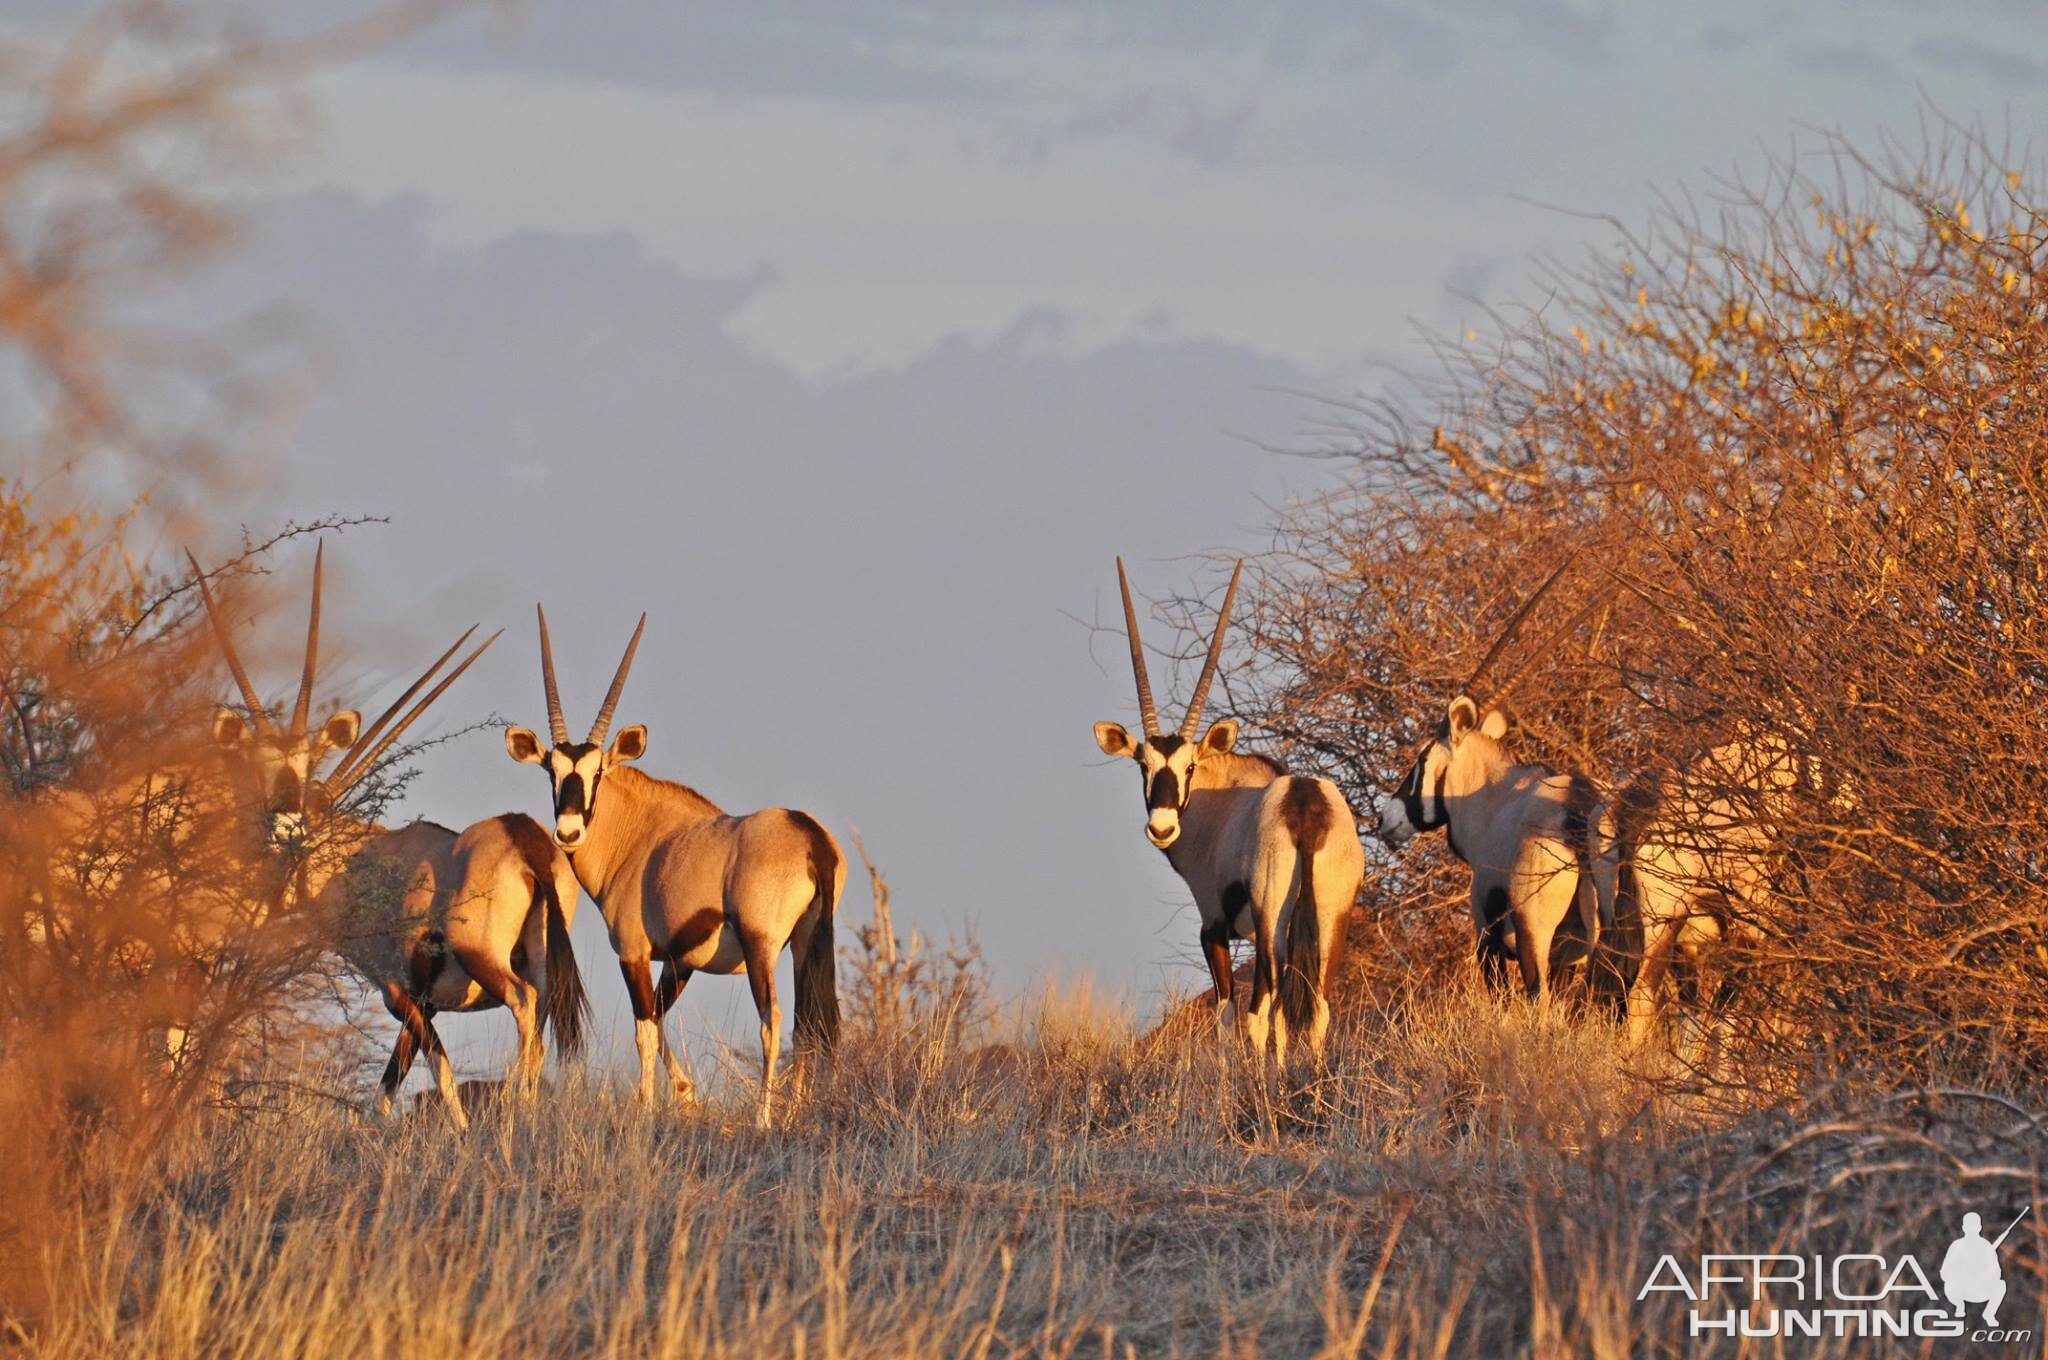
pixel 133 896
pixel 1790 453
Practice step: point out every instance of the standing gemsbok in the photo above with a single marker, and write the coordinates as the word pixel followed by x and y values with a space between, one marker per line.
pixel 1270 857
pixel 436 920
pixel 1685 859
pixel 1523 828
pixel 681 881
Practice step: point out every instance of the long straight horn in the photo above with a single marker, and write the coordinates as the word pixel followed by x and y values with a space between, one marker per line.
pixel 304 707
pixel 1148 714
pixel 358 768
pixel 611 698
pixel 558 726
pixel 227 647
pixel 1542 649
pixel 1201 696
pixel 347 768
pixel 1514 622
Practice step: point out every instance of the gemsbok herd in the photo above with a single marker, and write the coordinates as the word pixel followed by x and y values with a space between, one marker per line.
pixel 436 920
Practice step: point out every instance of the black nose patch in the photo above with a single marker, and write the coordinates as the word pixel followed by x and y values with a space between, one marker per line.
pixel 284 793
pixel 569 797
pixel 1165 791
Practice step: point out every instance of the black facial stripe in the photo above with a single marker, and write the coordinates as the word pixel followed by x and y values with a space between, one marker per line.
pixel 285 791
pixel 569 795
pixel 1418 807
pixel 1165 792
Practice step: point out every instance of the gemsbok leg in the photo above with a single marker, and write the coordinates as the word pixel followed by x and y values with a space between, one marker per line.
pixel 674 976
pixel 639 977
pixel 418 1022
pixel 761 955
pixel 1545 888
pixel 518 996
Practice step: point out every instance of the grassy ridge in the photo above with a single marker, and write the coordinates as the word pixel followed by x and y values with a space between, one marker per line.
pixel 1467 1179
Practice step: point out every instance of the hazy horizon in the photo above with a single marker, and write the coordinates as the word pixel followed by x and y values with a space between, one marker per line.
pixel 853 348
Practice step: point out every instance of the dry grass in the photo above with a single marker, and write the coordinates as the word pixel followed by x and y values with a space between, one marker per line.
pixel 1467 1179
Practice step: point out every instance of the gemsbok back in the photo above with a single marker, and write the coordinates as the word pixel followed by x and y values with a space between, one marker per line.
pixel 436 920
pixel 1523 828
pixel 681 881
pixel 1270 857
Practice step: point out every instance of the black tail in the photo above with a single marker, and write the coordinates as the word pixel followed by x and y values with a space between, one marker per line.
pixel 817 986
pixel 1634 808
pixel 1582 799
pixel 1307 818
pixel 566 1005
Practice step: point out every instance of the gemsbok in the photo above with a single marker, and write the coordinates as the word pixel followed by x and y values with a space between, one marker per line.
pixel 1524 829
pixel 1684 860
pixel 1270 857
pixel 679 880
pixel 436 920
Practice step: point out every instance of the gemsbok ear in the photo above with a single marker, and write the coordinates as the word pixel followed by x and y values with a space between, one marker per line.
pixel 1464 716
pixel 1221 738
pixel 1498 723
pixel 229 731
pixel 1113 740
pixel 523 745
pixel 630 744
pixel 342 729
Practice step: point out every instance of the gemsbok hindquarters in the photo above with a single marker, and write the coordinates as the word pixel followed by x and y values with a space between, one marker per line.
pixel 1523 828
pixel 681 881
pixel 1270 857
pixel 434 919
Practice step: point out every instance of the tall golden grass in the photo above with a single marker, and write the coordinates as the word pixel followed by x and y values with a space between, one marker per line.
pixel 1467 1179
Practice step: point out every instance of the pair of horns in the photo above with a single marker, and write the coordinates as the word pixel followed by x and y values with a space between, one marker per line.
pixel 261 715
pixel 558 726
pixel 1146 709
pixel 379 736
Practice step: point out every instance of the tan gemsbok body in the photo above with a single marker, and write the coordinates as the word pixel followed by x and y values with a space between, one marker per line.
pixel 1524 829
pixel 1270 857
pixel 680 881
pixel 1684 858
pixel 436 920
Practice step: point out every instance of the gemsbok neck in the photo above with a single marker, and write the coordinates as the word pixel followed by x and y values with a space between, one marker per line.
pixel 632 810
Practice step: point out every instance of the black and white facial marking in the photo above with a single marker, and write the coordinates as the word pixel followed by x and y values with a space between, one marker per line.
pixel 1418 805
pixel 283 767
pixel 1167 764
pixel 576 770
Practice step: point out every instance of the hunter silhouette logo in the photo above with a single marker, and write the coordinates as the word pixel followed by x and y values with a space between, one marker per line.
pixel 1854 1294
pixel 1970 1273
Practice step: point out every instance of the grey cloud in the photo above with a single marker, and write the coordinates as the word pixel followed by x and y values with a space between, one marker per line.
pixel 1856 61
pixel 1211 133
pixel 2008 65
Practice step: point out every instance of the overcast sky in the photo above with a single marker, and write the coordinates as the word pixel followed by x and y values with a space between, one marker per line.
pixel 853 341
